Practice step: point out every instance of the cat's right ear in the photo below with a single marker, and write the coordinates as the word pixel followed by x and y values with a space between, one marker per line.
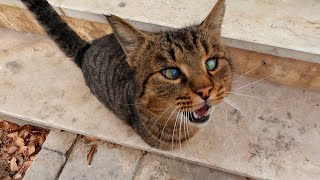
pixel 213 21
pixel 128 36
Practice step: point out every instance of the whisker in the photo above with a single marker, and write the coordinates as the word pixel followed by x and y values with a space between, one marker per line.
pixel 161 115
pixel 180 129
pixel 253 82
pixel 188 124
pixel 167 123
pixel 188 135
pixel 184 126
pixel 246 95
pixel 174 128
pixel 238 108
pixel 249 71
pixel 186 132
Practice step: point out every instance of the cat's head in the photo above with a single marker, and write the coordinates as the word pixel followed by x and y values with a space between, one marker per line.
pixel 180 76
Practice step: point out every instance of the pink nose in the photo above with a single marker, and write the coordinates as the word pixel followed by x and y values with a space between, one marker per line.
pixel 204 92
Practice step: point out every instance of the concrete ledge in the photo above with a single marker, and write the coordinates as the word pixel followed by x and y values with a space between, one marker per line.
pixel 287 29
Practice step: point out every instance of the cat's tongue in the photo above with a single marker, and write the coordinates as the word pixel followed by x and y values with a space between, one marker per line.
pixel 202 111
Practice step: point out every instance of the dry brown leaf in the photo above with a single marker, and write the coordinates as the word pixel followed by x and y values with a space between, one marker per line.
pixel 89 138
pixel 17 176
pixel 92 151
pixel 4 125
pixel 13 135
pixel 5 178
pixel 20 159
pixel 33 138
pixel 111 145
pixel 31 149
pixel 5 156
pixel 8 126
pixel 26 127
pixel 12 149
pixel 23 133
pixel 26 165
pixel 13 164
pixel 19 141
pixel 41 139
pixel 22 149
pixel 11 144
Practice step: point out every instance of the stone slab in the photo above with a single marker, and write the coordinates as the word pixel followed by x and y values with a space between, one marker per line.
pixel 279 140
pixel 46 166
pixel 109 162
pixel 281 28
pixel 59 141
pixel 161 168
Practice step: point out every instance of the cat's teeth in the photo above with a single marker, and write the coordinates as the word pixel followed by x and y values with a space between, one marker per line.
pixel 208 112
pixel 195 115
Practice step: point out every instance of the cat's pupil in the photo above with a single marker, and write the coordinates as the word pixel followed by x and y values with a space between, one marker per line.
pixel 211 64
pixel 171 73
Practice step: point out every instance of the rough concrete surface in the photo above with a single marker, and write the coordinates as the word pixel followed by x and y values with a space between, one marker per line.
pixel 46 166
pixel 160 168
pixel 109 162
pixel 276 139
pixel 59 141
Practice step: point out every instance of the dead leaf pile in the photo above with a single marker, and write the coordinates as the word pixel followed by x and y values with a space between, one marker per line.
pixel 18 147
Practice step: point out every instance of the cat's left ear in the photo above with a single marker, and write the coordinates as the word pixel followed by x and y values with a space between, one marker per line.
pixel 129 37
pixel 213 21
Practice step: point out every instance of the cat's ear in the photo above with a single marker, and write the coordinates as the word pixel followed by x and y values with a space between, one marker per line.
pixel 213 21
pixel 128 36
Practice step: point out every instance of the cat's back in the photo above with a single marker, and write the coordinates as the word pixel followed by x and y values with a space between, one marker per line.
pixel 103 54
pixel 108 42
pixel 108 74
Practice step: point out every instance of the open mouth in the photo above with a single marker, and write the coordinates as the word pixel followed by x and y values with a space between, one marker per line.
pixel 200 115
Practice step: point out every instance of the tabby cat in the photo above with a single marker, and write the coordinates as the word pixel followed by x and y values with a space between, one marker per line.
pixel 163 84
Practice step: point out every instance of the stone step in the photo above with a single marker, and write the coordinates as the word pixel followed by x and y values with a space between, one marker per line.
pixel 288 71
pixel 282 28
pixel 278 138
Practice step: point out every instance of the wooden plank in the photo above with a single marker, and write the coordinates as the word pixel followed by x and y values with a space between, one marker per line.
pixel 287 71
pixel 88 30
pixel 20 20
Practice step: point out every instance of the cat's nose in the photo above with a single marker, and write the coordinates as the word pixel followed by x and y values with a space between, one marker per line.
pixel 204 92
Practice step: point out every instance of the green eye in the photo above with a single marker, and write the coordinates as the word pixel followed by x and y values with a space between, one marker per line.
pixel 211 64
pixel 171 73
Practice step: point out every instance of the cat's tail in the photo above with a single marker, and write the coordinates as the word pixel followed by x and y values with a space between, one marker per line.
pixel 67 39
